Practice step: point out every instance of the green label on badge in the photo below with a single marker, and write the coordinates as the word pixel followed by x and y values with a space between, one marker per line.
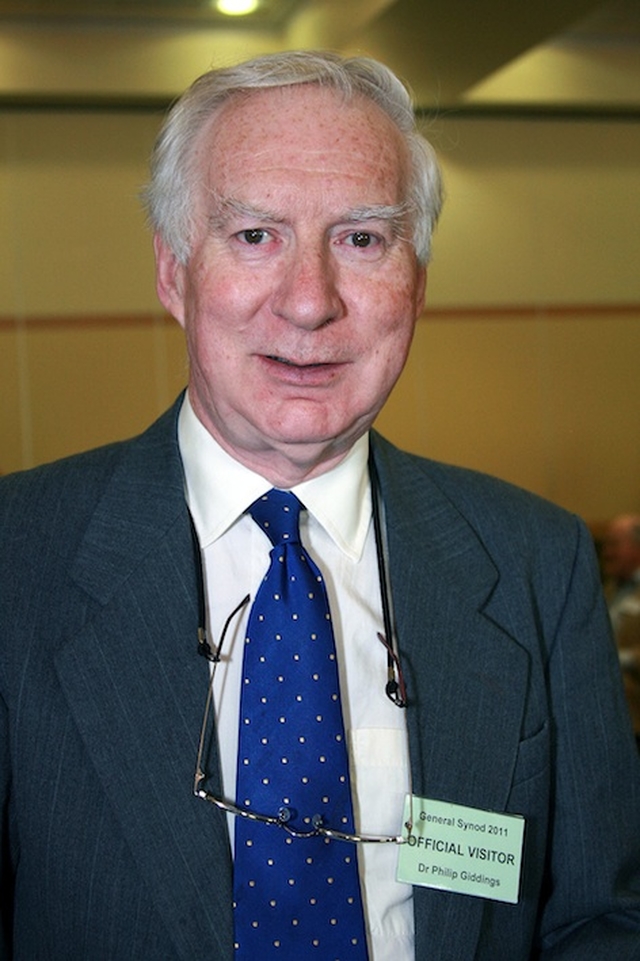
pixel 462 849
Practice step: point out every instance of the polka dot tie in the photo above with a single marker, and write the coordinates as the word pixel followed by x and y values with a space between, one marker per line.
pixel 294 897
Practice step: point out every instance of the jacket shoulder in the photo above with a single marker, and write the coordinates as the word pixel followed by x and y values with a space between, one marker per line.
pixel 476 494
pixel 52 499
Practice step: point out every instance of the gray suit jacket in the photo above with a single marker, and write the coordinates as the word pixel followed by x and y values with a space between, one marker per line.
pixel 515 705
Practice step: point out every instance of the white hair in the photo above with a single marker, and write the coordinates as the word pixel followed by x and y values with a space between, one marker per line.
pixel 169 197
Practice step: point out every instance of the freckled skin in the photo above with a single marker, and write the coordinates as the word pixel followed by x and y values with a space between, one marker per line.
pixel 298 312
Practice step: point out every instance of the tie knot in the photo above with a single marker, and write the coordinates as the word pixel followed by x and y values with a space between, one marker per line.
pixel 277 513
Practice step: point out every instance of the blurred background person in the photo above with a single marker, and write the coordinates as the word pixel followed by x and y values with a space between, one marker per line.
pixel 621 571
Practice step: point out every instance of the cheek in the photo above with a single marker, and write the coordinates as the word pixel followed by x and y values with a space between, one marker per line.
pixel 390 338
pixel 392 354
pixel 217 310
pixel 387 318
pixel 206 295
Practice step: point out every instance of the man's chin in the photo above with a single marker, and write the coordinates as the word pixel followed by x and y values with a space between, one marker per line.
pixel 313 434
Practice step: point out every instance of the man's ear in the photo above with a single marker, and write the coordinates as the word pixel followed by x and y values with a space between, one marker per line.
pixel 170 279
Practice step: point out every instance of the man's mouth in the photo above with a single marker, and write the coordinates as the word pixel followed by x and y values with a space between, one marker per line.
pixel 300 373
pixel 292 363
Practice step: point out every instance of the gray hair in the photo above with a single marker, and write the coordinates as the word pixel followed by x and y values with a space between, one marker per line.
pixel 169 197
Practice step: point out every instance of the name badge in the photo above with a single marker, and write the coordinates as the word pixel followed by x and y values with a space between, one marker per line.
pixel 462 849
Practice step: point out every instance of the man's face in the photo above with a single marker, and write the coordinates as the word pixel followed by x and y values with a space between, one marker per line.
pixel 302 288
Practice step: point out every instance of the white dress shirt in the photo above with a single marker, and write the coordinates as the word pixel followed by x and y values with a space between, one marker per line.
pixel 338 533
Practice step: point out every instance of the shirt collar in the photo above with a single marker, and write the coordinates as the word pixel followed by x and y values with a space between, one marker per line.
pixel 220 488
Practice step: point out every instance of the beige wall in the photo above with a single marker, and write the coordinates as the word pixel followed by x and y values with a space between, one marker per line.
pixel 547 402
pixel 524 365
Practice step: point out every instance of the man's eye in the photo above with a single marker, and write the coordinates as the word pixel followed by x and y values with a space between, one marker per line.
pixel 254 235
pixel 360 238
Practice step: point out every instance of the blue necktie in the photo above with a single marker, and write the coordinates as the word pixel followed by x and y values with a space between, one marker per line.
pixel 293 895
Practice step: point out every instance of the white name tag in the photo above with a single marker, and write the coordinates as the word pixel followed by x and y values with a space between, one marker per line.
pixel 462 849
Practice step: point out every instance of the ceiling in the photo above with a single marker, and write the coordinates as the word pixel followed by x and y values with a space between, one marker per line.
pixel 612 21
pixel 270 12
pixel 567 55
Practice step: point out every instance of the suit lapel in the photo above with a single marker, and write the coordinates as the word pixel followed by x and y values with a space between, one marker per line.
pixel 136 688
pixel 466 676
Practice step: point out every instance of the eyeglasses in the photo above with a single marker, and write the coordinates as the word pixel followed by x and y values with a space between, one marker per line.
pixel 395 690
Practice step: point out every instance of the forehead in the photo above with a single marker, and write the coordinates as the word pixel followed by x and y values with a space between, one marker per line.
pixel 304 137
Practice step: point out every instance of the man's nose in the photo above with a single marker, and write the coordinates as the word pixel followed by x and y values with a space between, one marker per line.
pixel 307 294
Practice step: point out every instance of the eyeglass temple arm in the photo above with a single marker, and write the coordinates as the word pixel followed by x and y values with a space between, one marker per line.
pixel 204 648
pixel 395 688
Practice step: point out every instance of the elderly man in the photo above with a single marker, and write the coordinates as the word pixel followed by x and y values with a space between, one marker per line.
pixel 415 743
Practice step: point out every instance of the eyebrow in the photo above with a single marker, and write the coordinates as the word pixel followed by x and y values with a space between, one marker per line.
pixel 227 207
pixel 390 212
pixel 396 215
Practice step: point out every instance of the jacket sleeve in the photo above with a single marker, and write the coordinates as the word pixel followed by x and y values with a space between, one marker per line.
pixel 593 887
pixel 628 642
